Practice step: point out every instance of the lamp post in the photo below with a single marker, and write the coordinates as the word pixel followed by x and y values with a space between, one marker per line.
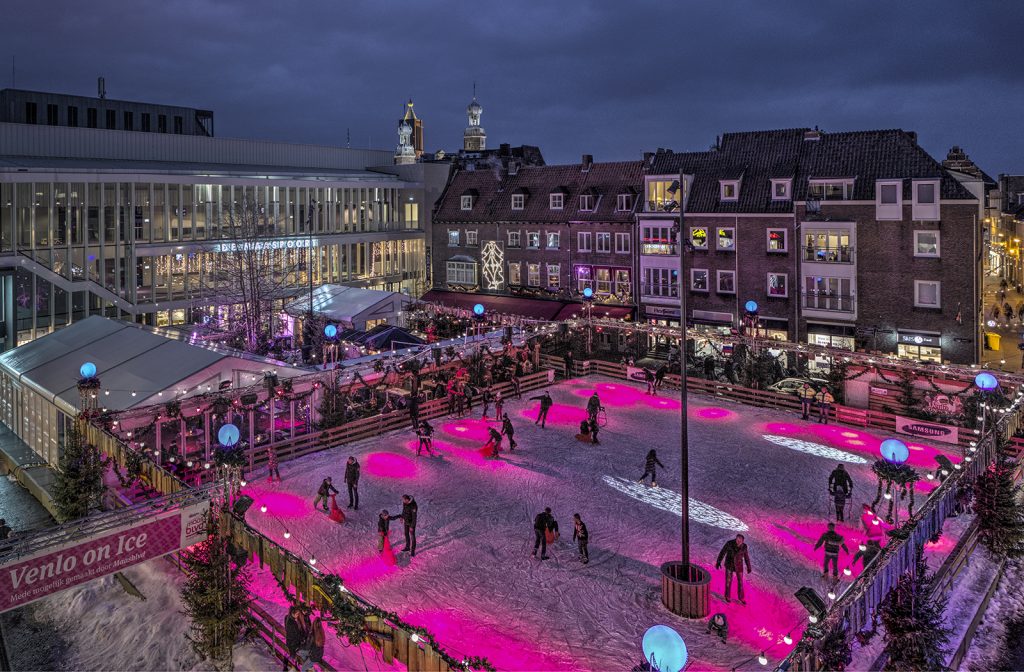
pixel 986 383
pixel 588 300
pixel 895 452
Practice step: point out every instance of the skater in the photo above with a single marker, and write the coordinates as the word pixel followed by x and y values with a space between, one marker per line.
pixel 487 398
pixel 516 386
pixel 869 552
pixel 824 399
pixel 508 430
pixel 426 441
pixel 581 537
pixel 491 449
pixel 840 486
pixel 584 434
pixel 408 517
pixel 272 467
pixel 541 523
pixel 833 541
pixel 569 364
pixel 545 405
pixel 659 379
pixel 352 481
pixel 806 394
pixel 651 463
pixel 324 492
pixel 5 530
pixel 593 406
pixel 594 429
pixel 718 625
pixel 735 554
pixel 499 406
pixel 649 379
pixel 551 534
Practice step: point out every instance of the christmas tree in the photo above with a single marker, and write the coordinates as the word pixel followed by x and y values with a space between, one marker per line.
pixel 79 483
pixel 915 636
pixel 216 598
pixel 997 505
pixel 835 650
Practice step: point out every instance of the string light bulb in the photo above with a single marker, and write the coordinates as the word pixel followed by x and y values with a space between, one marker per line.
pixel 847 571
pixel 242 482
pixel 287 534
pixel 763 659
pixel 263 509
pixel 831 594
pixel 312 561
pixel 812 618
pixel 415 638
pixel 787 639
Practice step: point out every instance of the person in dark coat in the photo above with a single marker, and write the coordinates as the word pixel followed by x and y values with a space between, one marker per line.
pixel 508 430
pixel 293 635
pixel 408 517
pixel 425 432
pixel 659 378
pixel 872 547
pixel 5 530
pixel 317 640
pixel 383 527
pixel 840 486
pixel 352 481
pixel 543 522
pixel 545 405
pixel 833 541
pixel 649 380
pixel 272 468
pixel 487 397
pixel 569 361
pixel 651 463
pixel 324 492
pixel 581 536
pixel 735 555
pixel 594 429
pixel 593 406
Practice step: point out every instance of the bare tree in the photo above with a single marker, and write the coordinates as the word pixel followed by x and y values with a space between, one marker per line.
pixel 249 269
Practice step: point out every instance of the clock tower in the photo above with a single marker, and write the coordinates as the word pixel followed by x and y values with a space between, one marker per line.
pixel 475 137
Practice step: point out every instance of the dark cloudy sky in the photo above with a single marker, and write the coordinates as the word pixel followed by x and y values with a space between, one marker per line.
pixel 611 78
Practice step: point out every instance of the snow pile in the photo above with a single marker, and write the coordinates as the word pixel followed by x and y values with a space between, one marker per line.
pixel 992 640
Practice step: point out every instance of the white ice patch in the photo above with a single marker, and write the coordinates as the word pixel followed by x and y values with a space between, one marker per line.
pixel 815 449
pixel 666 500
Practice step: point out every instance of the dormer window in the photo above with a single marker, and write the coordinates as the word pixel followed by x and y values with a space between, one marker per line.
pixel 729 190
pixel 926 200
pixel 830 190
pixel 782 190
pixel 518 201
pixel 467 202
pixel 624 203
pixel 556 200
pixel 586 202
pixel 888 200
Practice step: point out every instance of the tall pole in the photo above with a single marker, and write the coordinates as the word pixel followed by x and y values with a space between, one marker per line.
pixel 684 438
pixel 309 269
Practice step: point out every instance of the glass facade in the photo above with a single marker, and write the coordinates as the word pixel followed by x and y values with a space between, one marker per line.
pixel 143 251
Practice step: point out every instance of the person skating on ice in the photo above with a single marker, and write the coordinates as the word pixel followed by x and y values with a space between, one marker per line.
pixel 272 468
pixel 872 547
pixel 499 406
pixel 651 464
pixel 324 493
pixel 593 406
pixel 832 541
pixel 735 555
pixel 493 446
pixel 659 379
pixel 542 522
pixel 486 399
pixel 408 518
pixel 352 481
pixel 508 430
pixel 594 429
pixel 581 536
pixel 545 405
pixel 649 380
pixel 425 433
pixel 840 486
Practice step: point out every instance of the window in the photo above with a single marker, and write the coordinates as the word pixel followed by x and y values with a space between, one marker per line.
pixel 603 281
pixel 927 294
pixel 461 273
pixel 533 275
pixel 622 243
pixel 90 117
pixel 623 287
pixel 729 190
pixel 624 202
pixel 518 201
pixel 781 190
pixel 471 238
pixel 698 279
pixel 129 121
pixel 889 200
pixel 554 275
pixel 146 123
pixel 52 115
pixel 888 194
pixel 584 277
pixel 583 241
pixel 656 240
pixel 778 285
pixel 823 293
pixel 72 116
pixel 111 119
pixel 30 113
pixel 727 282
pixel 513 239
pixel 727 239
pixel 699 238
pixel 604 242
pixel 926 201
pixel 830 190
pixel 179 124
pixel 926 244
pixel 467 202
pixel 554 238
pixel 514 278
pixel 556 201
pixel 453 237
pixel 659 282
pixel 777 240
pixel 926 193
pixel 663 195
pixel 161 123
pixel 586 202
pixel 533 240
pixel 828 246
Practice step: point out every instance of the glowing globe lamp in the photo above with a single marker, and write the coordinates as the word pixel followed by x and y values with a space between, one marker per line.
pixel 88 370
pixel 330 331
pixel 751 306
pixel 588 293
pixel 664 649
pixel 478 310
pixel 894 451
pixel 228 435
pixel 986 382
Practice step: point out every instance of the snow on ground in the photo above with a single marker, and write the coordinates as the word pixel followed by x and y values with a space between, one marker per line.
pixel 473 582
pixel 996 642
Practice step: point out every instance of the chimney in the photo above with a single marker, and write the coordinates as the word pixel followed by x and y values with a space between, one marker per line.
pixel 505 149
pixel 586 162
pixel 913 136
pixel 648 158
pixel 812 135
pixel 101 87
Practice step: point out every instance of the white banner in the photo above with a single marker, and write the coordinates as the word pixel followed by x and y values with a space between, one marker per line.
pixel 635 373
pixel 927 430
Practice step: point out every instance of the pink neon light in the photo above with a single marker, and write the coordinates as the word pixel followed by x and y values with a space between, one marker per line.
pixel 279 503
pixel 390 465
pixel 713 413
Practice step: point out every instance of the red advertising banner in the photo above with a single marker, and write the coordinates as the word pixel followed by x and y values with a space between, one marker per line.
pixel 28 579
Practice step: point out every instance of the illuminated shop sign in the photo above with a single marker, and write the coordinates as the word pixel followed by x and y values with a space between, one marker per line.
pixel 260 245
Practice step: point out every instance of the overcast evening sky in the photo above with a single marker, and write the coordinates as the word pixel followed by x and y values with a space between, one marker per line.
pixel 612 79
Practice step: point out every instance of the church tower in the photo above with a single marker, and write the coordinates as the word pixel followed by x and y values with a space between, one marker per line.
pixel 417 128
pixel 475 137
pixel 410 137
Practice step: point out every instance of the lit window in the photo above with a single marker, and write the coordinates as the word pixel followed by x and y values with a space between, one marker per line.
pixel 467 202
pixel 461 273
pixel 778 285
pixel 604 242
pixel 699 279
pixel 730 190
pixel 553 240
pixel 927 294
pixel 780 190
pixel 727 282
pixel 556 201
pixel 533 240
pixel 926 244
pixel 533 275
pixel 554 275
pixel 727 239
pixel 513 274
pixel 777 240
pixel 699 238
pixel 453 238
pixel 586 202
pixel 583 241
pixel 622 243
pixel 513 239
pixel 663 195
pixel 471 238
pixel 518 200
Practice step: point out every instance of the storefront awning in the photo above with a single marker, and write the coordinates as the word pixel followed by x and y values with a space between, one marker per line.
pixel 537 309
pixel 599 312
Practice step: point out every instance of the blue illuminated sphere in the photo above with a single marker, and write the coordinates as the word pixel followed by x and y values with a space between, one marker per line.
pixel 588 292
pixel 751 306
pixel 664 649
pixel 894 451
pixel 986 382
pixel 478 309
pixel 330 331
pixel 88 370
pixel 228 435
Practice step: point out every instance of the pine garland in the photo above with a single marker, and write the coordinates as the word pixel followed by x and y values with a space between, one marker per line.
pixel 997 504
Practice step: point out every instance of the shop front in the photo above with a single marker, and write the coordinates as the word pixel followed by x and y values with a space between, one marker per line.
pixel 925 346
pixel 838 336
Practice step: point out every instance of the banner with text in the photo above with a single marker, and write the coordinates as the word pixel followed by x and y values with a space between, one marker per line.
pixel 635 373
pixel 24 580
pixel 927 430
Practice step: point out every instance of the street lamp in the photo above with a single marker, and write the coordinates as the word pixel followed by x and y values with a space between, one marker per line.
pixel 986 383
pixel 895 452
pixel 588 300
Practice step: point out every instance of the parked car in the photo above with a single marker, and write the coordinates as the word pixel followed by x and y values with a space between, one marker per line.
pixel 791 385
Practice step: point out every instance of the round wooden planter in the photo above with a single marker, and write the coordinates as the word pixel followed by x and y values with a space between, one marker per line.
pixel 685 590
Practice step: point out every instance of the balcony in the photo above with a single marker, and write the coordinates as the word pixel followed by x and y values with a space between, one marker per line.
pixel 662 205
pixel 839 303
pixel 829 255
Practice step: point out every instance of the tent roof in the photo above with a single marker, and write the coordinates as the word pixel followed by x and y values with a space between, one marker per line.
pixel 341 303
